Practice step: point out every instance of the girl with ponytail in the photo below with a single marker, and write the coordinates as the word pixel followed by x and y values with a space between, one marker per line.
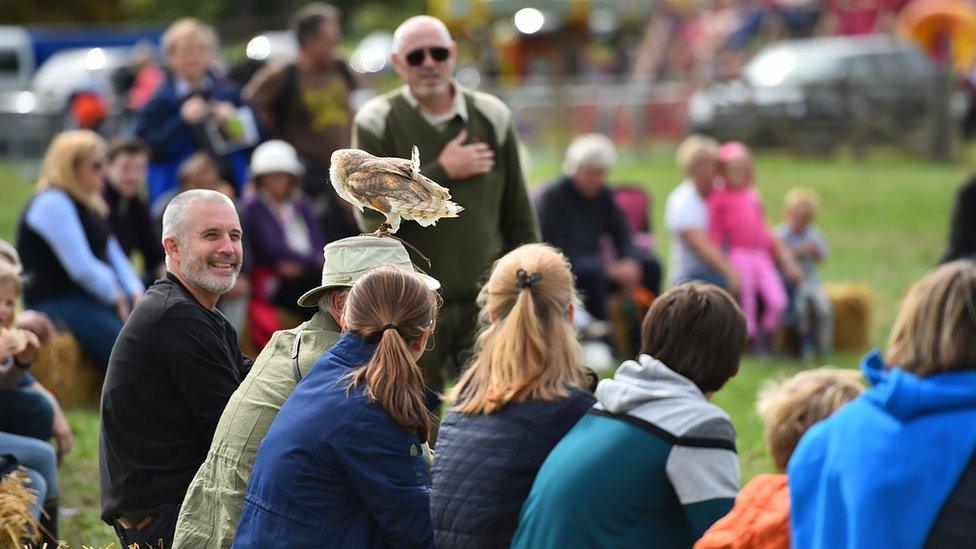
pixel 343 464
pixel 518 398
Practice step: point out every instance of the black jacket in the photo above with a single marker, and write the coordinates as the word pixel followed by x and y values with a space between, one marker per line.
pixel 485 466
pixel 173 368
pixel 962 227
pixel 576 223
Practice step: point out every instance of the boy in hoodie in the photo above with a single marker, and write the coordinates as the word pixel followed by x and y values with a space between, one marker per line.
pixel 761 516
pixel 653 462
pixel 897 466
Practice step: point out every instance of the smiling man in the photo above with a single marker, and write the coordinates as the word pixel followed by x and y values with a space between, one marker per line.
pixel 172 370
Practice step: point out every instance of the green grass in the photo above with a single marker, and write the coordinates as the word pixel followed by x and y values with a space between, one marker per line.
pixel 885 219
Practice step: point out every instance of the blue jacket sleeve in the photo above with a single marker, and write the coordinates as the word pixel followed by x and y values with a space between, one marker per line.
pixel 53 216
pixel 392 481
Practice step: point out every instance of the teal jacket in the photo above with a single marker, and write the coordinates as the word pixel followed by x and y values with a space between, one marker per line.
pixel 652 464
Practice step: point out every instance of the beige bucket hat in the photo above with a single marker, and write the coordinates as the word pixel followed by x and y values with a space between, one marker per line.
pixel 350 258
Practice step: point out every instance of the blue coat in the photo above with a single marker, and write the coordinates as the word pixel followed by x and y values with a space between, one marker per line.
pixel 335 470
pixel 485 466
pixel 877 472
pixel 172 140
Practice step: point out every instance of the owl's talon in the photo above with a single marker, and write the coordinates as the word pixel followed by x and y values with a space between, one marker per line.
pixel 383 230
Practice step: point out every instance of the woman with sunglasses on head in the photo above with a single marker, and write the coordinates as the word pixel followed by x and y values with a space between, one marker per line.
pixel 78 273
pixel 343 464
pixel 523 392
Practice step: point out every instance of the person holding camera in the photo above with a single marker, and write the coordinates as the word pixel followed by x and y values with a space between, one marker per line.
pixel 189 104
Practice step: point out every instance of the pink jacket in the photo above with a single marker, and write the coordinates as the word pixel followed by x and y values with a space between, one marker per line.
pixel 735 219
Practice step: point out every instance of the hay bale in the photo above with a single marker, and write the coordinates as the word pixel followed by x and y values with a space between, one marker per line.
pixel 852 315
pixel 17 523
pixel 63 368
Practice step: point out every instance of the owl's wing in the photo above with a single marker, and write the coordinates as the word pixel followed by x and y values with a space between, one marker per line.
pixel 374 187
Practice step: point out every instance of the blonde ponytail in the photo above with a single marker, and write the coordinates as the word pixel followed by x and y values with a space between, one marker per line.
pixel 529 349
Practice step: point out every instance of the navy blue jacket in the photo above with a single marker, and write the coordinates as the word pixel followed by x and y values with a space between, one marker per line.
pixel 335 470
pixel 172 140
pixel 485 465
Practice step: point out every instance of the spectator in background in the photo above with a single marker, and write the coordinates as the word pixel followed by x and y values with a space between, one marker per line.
pixel 128 212
pixel 809 247
pixel 897 466
pixel 79 274
pixel 737 223
pixel 578 214
pixel 693 255
pixel 468 144
pixel 283 234
pixel 192 97
pixel 306 103
pixel 524 391
pixel 199 171
pixel 30 414
pixel 653 460
pixel 857 17
pixel 760 518
pixel 962 224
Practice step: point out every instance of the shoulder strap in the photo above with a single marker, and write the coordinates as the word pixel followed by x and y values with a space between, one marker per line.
pixel 346 73
pixel 295 348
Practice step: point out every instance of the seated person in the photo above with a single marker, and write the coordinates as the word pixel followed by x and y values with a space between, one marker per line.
pixel 284 235
pixel 578 211
pixel 80 276
pixel 761 516
pixel 199 171
pixel 128 212
pixel 809 248
pixel 653 459
pixel 897 466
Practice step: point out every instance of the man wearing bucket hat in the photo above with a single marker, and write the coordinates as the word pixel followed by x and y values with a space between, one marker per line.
pixel 214 500
pixel 285 237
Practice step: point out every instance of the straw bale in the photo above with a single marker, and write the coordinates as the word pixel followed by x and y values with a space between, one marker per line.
pixel 63 368
pixel 852 315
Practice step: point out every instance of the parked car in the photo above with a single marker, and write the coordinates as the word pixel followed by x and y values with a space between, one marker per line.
pixel 817 93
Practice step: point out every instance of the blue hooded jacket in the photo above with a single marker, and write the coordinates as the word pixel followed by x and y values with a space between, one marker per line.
pixel 877 472
pixel 335 470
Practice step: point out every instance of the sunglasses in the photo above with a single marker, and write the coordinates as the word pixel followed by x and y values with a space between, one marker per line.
pixel 437 53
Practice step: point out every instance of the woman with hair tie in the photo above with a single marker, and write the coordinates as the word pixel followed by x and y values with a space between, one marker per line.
pixel 343 464
pixel 523 392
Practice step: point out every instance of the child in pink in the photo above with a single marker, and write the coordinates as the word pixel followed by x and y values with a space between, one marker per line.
pixel 737 224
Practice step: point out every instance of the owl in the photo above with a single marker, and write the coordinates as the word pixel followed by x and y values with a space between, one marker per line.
pixel 392 186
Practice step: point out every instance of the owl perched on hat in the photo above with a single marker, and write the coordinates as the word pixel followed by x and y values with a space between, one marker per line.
pixel 392 186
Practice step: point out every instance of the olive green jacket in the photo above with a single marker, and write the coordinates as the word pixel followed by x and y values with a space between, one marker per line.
pixel 213 503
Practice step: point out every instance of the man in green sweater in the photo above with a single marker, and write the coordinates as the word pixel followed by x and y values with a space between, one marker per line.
pixel 467 143
pixel 212 506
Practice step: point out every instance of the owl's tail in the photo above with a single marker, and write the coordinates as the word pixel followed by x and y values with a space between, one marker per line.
pixel 427 215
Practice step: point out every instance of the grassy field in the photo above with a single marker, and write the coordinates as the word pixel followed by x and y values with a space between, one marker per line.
pixel 885 218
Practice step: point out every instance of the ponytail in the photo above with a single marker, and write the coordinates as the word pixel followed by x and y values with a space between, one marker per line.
pixel 393 379
pixel 529 349
pixel 392 308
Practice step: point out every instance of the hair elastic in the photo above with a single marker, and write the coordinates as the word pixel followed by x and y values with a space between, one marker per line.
pixel 524 280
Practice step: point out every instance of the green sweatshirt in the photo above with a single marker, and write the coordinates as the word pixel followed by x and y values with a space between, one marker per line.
pixel 497 214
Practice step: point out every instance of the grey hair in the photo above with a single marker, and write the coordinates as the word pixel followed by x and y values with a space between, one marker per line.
pixel 408 25
pixel 183 27
pixel 591 149
pixel 178 209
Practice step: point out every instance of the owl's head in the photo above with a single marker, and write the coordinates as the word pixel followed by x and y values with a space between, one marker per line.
pixel 346 161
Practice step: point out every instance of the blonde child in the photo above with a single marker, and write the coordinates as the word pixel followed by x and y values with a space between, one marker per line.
pixel 761 515
pixel 737 224
pixel 809 247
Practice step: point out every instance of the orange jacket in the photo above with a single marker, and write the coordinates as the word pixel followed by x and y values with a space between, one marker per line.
pixel 759 519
